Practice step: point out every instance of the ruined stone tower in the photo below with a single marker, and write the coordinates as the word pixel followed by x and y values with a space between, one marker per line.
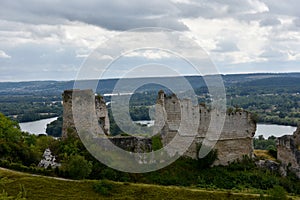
pixel 235 141
pixel 97 105
pixel 288 151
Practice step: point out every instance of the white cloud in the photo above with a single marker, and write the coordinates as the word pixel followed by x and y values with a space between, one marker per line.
pixel 249 39
pixel 4 55
pixel 149 54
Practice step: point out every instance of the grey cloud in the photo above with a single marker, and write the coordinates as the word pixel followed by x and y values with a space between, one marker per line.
pixel 204 9
pixel 270 22
pixel 297 22
pixel 287 7
pixel 276 66
pixel 113 15
pixel 216 8
pixel 121 15
pixel 226 46
pixel 274 54
pixel 34 61
pixel 124 15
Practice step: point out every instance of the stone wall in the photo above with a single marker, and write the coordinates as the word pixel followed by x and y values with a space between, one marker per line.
pixel 133 144
pixel 288 151
pixel 68 121
pixel 93 116
pixel 94 104
pixel 235 141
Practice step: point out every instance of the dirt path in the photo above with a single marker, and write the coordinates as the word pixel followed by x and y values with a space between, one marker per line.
pixel 37 175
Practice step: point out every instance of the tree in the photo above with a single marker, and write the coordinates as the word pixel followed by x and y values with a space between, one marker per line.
pixel 78 167
pixel 9 130
pixel 55 128
pixel 272 137
pixel 261 137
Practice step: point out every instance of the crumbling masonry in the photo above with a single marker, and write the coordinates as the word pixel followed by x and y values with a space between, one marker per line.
pixel 288 151
pixel 235 140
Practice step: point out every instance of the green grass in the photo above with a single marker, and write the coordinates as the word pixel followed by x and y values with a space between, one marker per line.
pixel 38 187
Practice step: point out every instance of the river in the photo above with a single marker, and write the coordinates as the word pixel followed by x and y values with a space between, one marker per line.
pixel 39 127
pixel 36 127
pixel 262 129
pixel 272 129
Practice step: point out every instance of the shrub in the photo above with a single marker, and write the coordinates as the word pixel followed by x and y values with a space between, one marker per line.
pixel 273 152
pixel 245 164
pixel 156 142
pixel 78 167
pixel 109 174
pixel 254 117
pixel 103 187
pixel 209 159
pixel 277 192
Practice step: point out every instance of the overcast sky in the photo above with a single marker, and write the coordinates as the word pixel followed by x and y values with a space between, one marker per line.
pixel 50 39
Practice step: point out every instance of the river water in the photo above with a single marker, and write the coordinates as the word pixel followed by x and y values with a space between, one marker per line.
pixel 39 127
pixel 272 129
pixel 36 127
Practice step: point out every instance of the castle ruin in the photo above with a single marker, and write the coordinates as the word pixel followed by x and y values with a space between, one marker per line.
pixel 99 106
pixel 288 152
pixel 235 139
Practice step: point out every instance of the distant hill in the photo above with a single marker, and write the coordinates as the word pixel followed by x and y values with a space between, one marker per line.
pixel 106 86
pixel 274 81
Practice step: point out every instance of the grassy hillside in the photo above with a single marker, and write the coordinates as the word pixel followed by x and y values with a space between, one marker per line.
pixel 38 187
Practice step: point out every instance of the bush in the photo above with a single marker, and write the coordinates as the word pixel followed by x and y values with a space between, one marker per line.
pixel 78 167
pixel 156 143
pixel 109 174
pixel 103 187
pixel 245 164
pixel 254 117
pixel 209 159
pixel 277 192
pixel 273 152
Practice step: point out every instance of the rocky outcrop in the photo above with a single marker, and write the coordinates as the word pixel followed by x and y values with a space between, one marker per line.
pixel 268 164
pixel 48 160
pixel 288 151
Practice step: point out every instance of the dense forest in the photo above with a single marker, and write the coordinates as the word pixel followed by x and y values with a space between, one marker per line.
pixel 25 108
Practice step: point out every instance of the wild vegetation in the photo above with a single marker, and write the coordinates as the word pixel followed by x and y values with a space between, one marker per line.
pixel 265 148
pixel 77 163
pixel 21 186
pixel 275 100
